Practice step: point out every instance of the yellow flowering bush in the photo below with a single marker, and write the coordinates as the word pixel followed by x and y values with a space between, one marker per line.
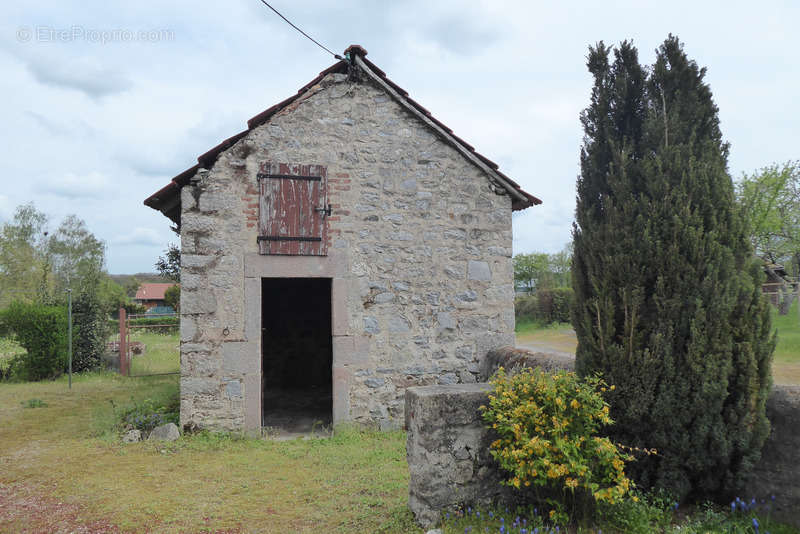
pixel 548 426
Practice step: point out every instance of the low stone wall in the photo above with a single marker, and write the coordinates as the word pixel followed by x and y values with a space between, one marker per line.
pixel 448 445
pixel 511 358
pixel 448 450
pixel 778 472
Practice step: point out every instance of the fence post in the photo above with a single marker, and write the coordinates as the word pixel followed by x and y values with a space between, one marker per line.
pixel 123 345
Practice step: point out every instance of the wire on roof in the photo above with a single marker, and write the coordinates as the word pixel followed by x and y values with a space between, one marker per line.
pixel 337 56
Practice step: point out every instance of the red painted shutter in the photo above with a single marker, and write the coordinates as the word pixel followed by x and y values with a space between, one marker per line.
pixel 291 209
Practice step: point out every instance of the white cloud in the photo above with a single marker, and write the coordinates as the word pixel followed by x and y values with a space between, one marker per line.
pixel 140 236
pixel 72 186
pixel 85 74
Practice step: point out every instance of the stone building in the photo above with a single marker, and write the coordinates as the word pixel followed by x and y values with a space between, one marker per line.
pixel 345 246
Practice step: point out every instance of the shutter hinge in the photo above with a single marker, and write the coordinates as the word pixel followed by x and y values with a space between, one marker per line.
pixel 323 210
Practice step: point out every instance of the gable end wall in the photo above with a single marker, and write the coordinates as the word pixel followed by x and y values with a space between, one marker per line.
pixel 419 253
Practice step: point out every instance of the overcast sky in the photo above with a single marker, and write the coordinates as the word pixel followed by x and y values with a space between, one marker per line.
pixel 102 103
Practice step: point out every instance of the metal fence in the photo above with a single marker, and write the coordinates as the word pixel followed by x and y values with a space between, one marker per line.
pixel 129 348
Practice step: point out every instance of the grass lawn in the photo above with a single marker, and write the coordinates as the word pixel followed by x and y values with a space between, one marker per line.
pixel 57 451
pixel 64 469
pixel 785 368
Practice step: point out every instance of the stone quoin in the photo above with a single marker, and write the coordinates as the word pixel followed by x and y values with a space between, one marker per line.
pixel 343 248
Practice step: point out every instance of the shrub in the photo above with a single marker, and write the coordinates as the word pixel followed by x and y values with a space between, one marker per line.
pixel 132 308
pixel 148 414
pixel 548 427
pixel 159 325
pixel 90 323
pixel 555 305
pixel 525 309
pixel 546 306
pixel 42 331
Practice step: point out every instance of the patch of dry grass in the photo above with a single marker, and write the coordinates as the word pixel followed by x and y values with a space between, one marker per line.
pixel 558 337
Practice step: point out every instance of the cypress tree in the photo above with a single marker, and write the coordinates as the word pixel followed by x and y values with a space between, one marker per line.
pixel 667 294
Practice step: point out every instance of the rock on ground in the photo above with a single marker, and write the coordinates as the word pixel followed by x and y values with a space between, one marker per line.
pixel 168 432
pixel 132 436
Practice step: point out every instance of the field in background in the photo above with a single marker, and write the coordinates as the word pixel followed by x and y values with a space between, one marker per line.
pixel 161 353
pixel 558 337
pixel 785 368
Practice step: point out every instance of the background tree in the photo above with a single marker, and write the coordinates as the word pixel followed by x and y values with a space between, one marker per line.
pixel 770 201
pixel 172 297
pixel 667 295
pixel 78 259
pixel 24 271
pixel 561 266
pixel 90 319
pixel 539 270
pixel 76 254
pixel 531 270
pixel 169 265
pixel 132 286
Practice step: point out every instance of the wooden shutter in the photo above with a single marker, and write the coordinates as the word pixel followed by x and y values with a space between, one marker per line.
pixel 292 209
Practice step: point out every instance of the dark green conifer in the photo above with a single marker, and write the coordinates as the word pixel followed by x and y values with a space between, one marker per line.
pixel 667 295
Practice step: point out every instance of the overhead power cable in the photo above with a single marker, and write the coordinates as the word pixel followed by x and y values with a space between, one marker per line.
pixel 337 56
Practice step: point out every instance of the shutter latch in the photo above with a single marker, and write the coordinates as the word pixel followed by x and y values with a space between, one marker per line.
pixel 323 210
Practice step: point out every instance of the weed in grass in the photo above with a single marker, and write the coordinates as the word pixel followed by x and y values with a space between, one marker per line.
pixel 147 414
pixel 34 403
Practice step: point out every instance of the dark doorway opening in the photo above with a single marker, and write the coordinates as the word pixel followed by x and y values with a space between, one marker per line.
pixel 297 354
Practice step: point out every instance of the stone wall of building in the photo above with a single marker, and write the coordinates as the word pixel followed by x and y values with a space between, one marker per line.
pixel 419 253
pixel 448 444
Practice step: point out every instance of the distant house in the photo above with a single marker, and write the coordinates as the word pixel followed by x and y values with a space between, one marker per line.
pixel 152 295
